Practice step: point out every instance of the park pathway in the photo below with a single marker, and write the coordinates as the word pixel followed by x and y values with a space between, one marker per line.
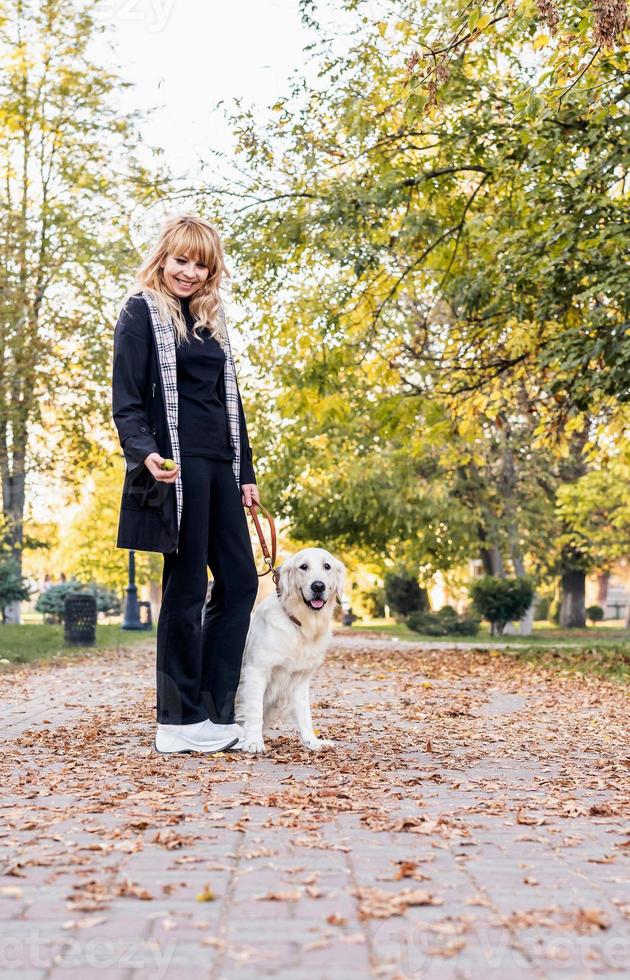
pixel 468 823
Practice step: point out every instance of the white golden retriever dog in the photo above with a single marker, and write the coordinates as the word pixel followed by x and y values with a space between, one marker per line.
pixel 286 643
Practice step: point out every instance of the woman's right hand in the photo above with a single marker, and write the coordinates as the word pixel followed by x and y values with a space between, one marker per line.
pixel 153 463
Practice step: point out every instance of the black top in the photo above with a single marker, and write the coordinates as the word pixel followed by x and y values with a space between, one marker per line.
pixel 132 346
pixel 202 423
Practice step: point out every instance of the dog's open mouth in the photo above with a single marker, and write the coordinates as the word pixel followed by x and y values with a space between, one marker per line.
pixel 314 603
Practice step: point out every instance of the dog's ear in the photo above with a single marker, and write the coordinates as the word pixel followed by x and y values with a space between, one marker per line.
pixel 340 579
pixel 286 581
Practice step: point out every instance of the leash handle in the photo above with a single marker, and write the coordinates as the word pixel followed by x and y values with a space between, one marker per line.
pixel 270 559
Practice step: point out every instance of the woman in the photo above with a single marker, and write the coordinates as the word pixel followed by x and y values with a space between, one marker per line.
pixel 175 396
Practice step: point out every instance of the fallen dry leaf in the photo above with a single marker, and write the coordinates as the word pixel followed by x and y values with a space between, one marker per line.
pixel 529 819
pixel 589 920
pixel 279 896
pixel 336 920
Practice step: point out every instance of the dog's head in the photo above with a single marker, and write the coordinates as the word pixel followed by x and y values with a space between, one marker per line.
pixel 313 576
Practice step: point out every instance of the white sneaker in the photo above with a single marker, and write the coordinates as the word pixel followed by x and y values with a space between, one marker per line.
pixel 237 745
pixel 210 729
pixel 192 738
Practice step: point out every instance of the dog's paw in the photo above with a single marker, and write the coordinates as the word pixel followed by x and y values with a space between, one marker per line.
pixel 317 743
pixel 253 744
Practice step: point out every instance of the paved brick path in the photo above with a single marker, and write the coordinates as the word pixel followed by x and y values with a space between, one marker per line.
pixel 468 824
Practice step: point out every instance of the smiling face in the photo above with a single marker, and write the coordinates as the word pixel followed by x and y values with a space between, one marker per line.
pixel 312 577
pixel 184 274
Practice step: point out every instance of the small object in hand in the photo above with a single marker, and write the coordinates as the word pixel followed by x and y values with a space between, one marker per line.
pixel 167 464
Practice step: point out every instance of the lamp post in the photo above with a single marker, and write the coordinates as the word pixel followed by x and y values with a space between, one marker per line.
pixel 131 619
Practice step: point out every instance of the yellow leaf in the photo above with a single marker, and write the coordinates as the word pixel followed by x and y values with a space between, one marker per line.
pixel 472 20
pixel 483 22
pixel 382 27
pixel 207 895
pixel 541 41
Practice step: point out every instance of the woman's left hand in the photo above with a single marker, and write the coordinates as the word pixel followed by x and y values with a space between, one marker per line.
pixel 250 494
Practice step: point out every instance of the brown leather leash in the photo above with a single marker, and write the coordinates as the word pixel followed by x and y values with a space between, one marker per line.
pixel 270 559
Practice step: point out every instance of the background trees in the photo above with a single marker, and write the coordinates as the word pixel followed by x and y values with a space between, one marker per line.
pixel 431 250
pixel 430 242
pixel 68 167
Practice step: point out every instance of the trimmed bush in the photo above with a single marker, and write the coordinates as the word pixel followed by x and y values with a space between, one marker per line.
pixel 107 602
pixel 403 594
pixel 500 600
pixel 444 622
pixel 13 586
pixel 595 614
pixel 52 602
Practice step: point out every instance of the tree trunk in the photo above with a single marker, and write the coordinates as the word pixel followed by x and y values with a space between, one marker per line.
pixel 13 612
pixel 489 553
pixel 527 622
pixel 572 614
pixel 602 588
pixel 492 561
pixel 13 485
pixel 573 561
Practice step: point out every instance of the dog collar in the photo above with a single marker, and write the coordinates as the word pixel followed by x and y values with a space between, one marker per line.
pixel 292 618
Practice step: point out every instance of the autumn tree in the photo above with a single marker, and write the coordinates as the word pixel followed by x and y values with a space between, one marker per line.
pixel 431 263
pixel 87 549
pixel 67 166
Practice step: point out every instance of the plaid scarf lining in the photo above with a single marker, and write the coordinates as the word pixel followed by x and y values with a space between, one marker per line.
pixel 165 341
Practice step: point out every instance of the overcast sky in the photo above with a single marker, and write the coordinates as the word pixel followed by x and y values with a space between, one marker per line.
pixel 184 56
pixel 187 55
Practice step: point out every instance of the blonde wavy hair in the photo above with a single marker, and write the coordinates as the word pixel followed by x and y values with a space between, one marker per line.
pixel 187 234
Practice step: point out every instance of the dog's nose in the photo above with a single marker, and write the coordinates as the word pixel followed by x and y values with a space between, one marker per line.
pixel 318 586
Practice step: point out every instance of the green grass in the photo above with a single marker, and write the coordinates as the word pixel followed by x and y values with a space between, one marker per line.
pixel 27 643
pixel 543 634
pixel 601 650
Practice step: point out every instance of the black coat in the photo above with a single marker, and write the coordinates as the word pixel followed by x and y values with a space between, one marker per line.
pixel 148 509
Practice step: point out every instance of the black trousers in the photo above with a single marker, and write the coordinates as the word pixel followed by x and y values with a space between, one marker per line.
pixel 199 665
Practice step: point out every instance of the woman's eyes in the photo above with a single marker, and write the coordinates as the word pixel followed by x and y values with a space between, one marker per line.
pixel 200 265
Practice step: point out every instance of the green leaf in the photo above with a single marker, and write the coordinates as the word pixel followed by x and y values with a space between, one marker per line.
pixel 472 20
